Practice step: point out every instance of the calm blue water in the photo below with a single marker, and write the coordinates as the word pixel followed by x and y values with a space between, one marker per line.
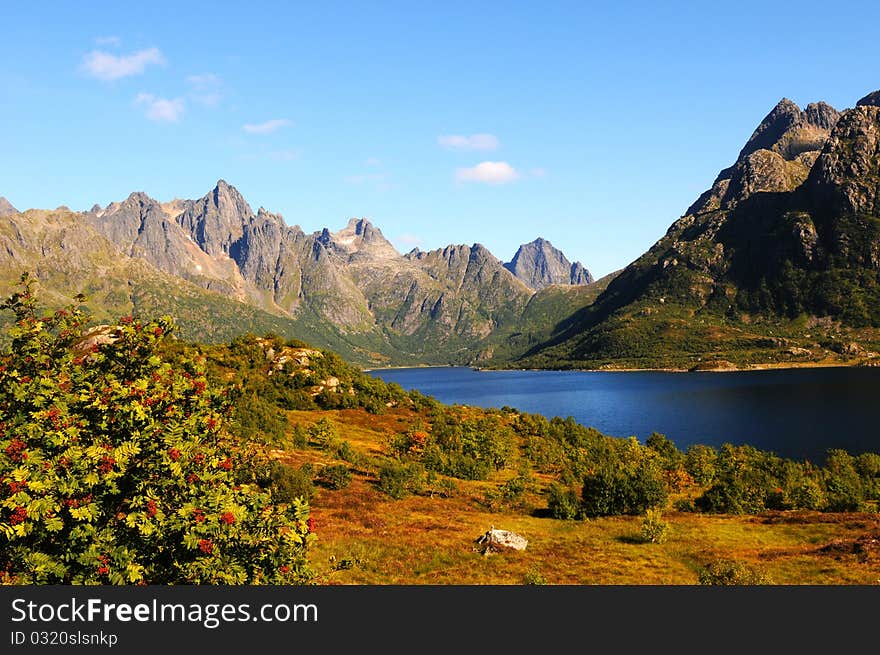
pixel 798 413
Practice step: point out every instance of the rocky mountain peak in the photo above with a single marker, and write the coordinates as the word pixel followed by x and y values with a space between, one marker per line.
pixel 821 115
pixel 6 207
pixel 777 157
pixel 361 236
pixel 784 116
pixel 216 220
pixel 538 264
pixel 872 99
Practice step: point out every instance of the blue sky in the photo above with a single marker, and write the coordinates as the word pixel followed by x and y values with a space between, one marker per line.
pixel 593 125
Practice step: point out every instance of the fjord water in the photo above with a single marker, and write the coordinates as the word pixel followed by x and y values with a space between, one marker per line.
pixel 797 413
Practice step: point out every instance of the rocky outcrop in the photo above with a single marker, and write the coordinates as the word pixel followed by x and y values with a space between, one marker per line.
pixel 777 157
pixel 870 100
pixel 846 176
pixel 538 264
pixel 6 207
pixel 762 171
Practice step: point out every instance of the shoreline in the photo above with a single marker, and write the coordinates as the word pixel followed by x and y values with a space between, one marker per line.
pixel 769 366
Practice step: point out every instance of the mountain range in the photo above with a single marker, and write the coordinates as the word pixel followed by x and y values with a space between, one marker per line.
pixel 221 269
pixel 778 262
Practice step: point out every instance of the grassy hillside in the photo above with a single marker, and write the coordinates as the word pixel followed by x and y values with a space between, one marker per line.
pixel 400 487
pixel 367 537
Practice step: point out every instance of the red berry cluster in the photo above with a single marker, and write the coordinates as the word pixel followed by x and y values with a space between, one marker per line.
pixel 78 502
pixel 16 451
pixel 174 454
pixel 104 569
pixel 198 516
pixel 151 507
pixel 206 546
pixel 107 464
pixel 226 464
pixel 53 415
pixel 15 487
pixel 227 518
pixel 18 516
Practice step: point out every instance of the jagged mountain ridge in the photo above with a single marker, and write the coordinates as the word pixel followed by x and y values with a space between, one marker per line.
pixel 778 260
pixel 436 307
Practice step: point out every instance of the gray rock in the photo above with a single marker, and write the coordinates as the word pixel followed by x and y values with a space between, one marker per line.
pixel 216 221
pixel 538 264
pixel 846 176
pixel 499 540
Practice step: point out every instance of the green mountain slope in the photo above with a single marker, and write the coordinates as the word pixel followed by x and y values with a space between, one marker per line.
pixel 778 263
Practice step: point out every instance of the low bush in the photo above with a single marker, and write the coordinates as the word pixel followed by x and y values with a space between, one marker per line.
pixel 334 476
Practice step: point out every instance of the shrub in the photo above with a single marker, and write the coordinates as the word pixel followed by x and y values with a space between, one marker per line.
pixel 654 528
pixel 533 577
pixel 116 465
pixel 299 438
pixel 808 495
pixel 398 479
pixel 844 489
pixel 323 433
pixel 732 572
pixel 288 483
pixel 562 502
pixel 334 476
pixel 612 490
pixel 701 461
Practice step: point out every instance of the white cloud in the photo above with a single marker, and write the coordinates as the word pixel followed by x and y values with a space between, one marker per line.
pixel 107 66
pixel 109 40
pixel 160 109
pixel 491 172
pixel 472 142
pixel 205 88
pixel 267 127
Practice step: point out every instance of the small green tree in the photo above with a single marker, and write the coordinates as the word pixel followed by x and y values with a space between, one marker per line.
pixel 654 528
pixel 116 465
